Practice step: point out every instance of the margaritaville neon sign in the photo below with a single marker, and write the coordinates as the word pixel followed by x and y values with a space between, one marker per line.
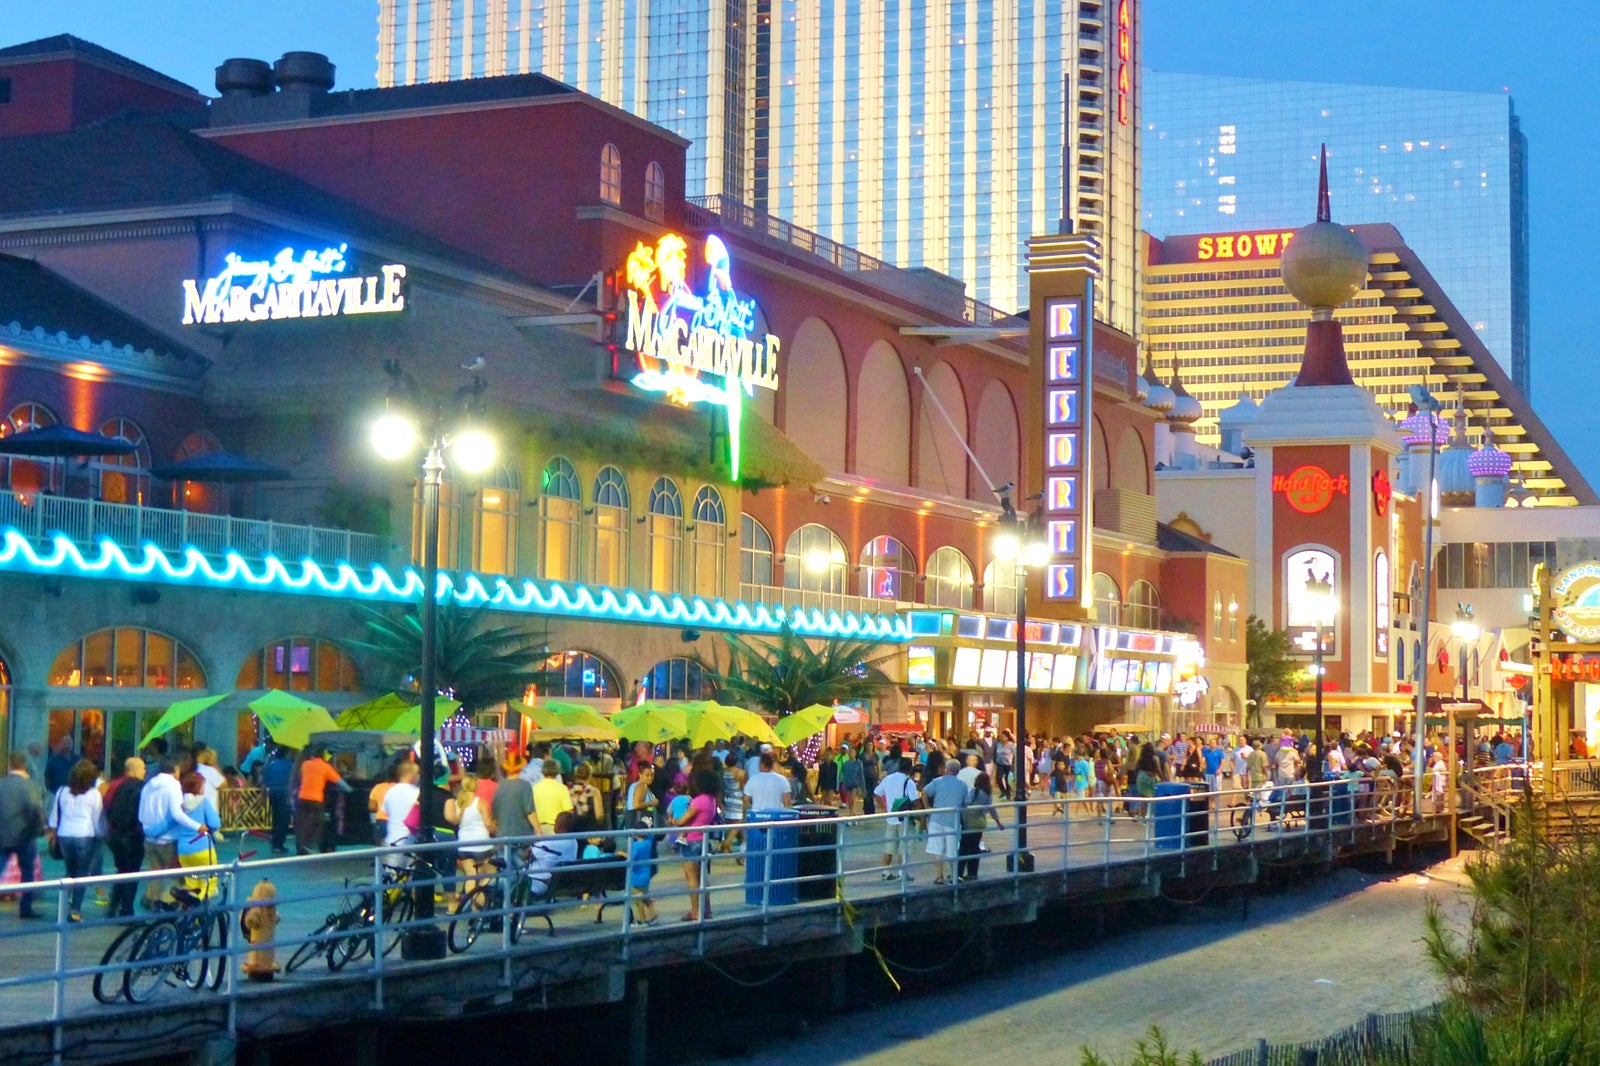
pixel 695 347
pixel 291 285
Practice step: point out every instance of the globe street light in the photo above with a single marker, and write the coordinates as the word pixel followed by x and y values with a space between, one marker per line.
pixel 1318 601
pixel 405 425
pixel 1429 408
pixel 1020 543
pixel 1467 632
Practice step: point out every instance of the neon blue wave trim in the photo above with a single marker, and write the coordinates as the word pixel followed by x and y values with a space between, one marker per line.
pixel 191 567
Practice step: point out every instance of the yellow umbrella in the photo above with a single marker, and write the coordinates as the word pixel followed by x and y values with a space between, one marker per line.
pixel 409 721
pixel 709 721
pixel 756 728
pixel 374 714
pixel 543 716
pixel 577 714
pixel 574 732
pixel 290 719
pixel 806 722
pixel 178 714
pixel 656 723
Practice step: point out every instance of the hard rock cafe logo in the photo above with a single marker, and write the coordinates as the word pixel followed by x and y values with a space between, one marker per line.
pixel 1309 489
pixel 1577 602
pixel 1382 492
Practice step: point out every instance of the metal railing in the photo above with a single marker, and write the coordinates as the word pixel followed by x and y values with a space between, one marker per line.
pixel 86 522
pixel 779 596
pixel 782 867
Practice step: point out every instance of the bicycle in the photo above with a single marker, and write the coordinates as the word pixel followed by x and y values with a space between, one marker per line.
pixel 346 934
pixel 479 911
pixel 1280 803
pixel 177 946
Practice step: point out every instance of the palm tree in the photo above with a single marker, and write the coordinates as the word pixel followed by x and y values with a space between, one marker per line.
pixel 476 663
pixel 784 675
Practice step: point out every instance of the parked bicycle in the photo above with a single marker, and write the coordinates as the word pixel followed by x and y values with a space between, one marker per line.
pixel 1282 806
pixel 186 945
pixel 348 934
pixel 484 908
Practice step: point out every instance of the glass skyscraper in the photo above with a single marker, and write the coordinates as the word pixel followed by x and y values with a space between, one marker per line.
pixel 926 133
pixel 1447 169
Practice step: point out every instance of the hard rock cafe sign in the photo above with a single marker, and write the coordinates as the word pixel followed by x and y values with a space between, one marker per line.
pixel 1310 489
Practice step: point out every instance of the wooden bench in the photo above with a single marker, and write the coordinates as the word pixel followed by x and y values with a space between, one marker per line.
pixel 587 878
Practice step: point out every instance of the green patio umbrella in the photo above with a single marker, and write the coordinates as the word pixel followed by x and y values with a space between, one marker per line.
pixel 290 719
pixel 178 714
pixel 374 714
pixel 657 723
pixel 806 722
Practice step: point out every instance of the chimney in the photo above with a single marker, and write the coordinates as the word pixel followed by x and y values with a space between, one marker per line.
pixel 238 78
pixel 294 87
pixel 309 72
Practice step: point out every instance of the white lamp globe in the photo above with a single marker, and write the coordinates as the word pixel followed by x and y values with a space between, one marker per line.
pixel 473 451
pixel 394 436
pixel 1037 554
pixel 1006 546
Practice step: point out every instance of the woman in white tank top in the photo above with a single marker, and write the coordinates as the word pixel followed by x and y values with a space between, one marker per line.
pixel 474 830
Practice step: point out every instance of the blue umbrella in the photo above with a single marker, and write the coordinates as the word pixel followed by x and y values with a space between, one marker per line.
pixel 61 440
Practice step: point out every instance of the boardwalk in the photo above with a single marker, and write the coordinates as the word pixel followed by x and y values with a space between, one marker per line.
pixel 47 968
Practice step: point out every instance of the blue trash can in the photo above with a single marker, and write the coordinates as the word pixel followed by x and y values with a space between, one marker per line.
pixel 1167 813
pixel 1342 803
pixel 770 860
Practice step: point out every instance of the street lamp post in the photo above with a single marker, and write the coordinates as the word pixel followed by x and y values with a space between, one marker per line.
pixel 1429 407
pixel 396 435
pixel 1319 599
pixel 1467 632
pixel 1019 543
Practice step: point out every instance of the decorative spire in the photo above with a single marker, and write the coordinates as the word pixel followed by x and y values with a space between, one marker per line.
pixel 1324 211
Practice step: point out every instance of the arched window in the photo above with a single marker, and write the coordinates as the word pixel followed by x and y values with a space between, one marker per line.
pixel 666 536
pixel 709 543
pixel 1216 615
pixel 127 657
pixel 1400 659
pixel 579 674
pixel 300 664
pixel 611 174
pixel 888 570
pixel 1381 600
pixel 1416 660
pixel 1000 588
pixel 28 477
pixel 560 503
pixel 655 192
pixel 203 496
pixel 677 679
pixel 949 579
pixel 1107 600
pixel 755 554
pixel 609 565
pixel 814 560
pixel 1143 606
pixel 449 522
pixel 123 478
pixel 1233 617
pixel 495 543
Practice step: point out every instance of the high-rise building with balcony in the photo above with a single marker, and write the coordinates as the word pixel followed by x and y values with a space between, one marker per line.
pixel 936 134
pixel 1447 169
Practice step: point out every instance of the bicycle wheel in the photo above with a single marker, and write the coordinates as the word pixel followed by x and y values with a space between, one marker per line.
pixel 400 912
pixel 355 924
pixel 313 947
pixel 468 922
pixel 219 942
pixel 194 940
pixel 108 984
pixel 151 960
pixel 521 900
pixel 1243 820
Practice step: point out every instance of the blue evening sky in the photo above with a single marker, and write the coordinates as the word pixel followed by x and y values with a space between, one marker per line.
pixel 1542 53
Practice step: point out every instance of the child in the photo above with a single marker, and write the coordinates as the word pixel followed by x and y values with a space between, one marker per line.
pixel 642 852
pixel 1060 783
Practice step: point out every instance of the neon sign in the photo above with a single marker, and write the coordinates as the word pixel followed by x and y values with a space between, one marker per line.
pixel 1577 602
pixel 1066 398
pixel 1124 60
pixel 695 347
pixel 291 286
pixel 1243 245
pixel 1310 489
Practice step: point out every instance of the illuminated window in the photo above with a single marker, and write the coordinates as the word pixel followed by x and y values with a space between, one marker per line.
pixel 201 496
pixel 300 664
pixel 611 174
pixel 495 545
pixel 1107 600
pixel 1380 603
pixel 666 536
pixel 814 560
pixel 949 579
pixel 579 674
pixel 708 543
pixel 560 504
pixel 1143 607
pixel 123 478
pixel 888 570
pixel 755 552
pixel 655 192
pixel 1216 615
pixel 28 477
pixel 126 657
pixel 1000 588
pixel 1233 618
pixel 609 564
pixel 677 679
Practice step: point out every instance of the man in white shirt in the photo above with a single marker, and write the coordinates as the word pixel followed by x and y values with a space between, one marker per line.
pixel 1241 765
pixel 766 789
pixel 969 773
pixel 162 816
pixel 895 792
pixel 397 804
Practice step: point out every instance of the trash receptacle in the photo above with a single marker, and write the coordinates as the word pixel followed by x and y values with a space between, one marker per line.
pixel 1342 803
pixel 819 854
pixel 770 839
pixel 1166 813
pixel 1197 820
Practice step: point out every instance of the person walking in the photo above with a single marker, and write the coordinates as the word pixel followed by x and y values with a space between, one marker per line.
pixel 897 793
pixel 124 834
pixel 77 819
pixel 945 796
pixel 975 817
pixel 692 846
pixel 199 849
pixel 163 819
pixel 275 776
pixel 21 822
pixel 852 779
pixel 311 808
pixel 474 823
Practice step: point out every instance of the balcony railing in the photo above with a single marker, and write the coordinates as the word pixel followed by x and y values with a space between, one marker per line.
pixel 86 522
pixel 777 596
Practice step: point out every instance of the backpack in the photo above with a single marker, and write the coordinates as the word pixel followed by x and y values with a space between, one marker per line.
pixel 904 802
